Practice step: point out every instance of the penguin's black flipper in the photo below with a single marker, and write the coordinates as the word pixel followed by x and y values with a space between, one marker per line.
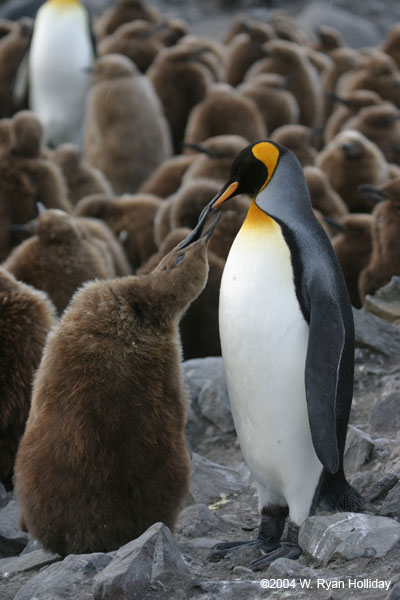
pixel 324 353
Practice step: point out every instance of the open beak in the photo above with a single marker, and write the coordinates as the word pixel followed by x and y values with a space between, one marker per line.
pixel 29 228
pixel 227 192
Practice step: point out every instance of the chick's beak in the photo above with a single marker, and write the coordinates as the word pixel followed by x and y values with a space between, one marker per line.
pixel 224 194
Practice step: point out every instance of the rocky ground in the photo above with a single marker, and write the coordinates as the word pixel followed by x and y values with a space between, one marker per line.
pixel 340 551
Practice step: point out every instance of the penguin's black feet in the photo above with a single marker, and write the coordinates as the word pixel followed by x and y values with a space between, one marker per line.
pixel 269 534
pixel 289 548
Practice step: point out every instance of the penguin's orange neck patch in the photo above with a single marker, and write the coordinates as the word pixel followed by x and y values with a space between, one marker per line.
pixel 268 154
pixel 258 220
pixel 64 3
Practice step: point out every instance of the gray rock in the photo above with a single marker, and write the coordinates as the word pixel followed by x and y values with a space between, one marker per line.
pixel 197 520
pixel 285 567
pixel 209 401
pixel 394 593
pixel 12 539
pixel 391 505
pixel 32 546
pixel 385 413
pixel 227 590
pixel 363 481
pixel 26 562
pixel 152 561
pixel 380 489
pixel 358 449
pixel 385 303
pixel 348 536
pixel 3 496
pixel 355 31
pixel 64 580
pixel 210 482
pixel 376 334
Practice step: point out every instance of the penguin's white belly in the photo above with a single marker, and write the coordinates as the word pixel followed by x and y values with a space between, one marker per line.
pixel 264 339
pixel 59 79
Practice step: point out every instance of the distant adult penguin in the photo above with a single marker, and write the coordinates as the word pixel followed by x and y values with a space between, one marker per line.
pixel 353 246
pixel 60 257
pixel 346 107
pixel 350 160
pixel 287 341
pixel 126 134
pixel 166 179
pixel 112 370
pixel 173 70
pixel 290 59
pixel 130 218
pixel 381 125
pixel 59 62
pixel 276 104
pixel 224 111
pixel 26 317
pixel 300 139
pixel 81 178
pixel 385 257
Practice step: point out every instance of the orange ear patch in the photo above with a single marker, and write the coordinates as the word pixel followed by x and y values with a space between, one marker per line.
pixel 268 154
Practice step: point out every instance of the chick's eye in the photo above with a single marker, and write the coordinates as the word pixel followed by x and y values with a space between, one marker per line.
pixel 164 269
pixel 179 258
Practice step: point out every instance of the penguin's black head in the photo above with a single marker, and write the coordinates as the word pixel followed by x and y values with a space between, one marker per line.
pixel 251 171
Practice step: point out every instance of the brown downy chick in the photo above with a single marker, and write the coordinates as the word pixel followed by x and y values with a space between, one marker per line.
pixel 12 49
pixel 276 104
pixel 111 366
pixel 385 258
pixel 378 73
pixel 346 107
pixel 130 218
pixel 215 157
pixel 26 317
pixel 328 39
pixel 391 44
pixel 289 59
pixel 81 178
pixel 286 28
pixel 353 246
pixel 343 59
pixel 199 329
pixel 171 30
pixel 244 50
pixel 180 81
pixel 121 12
pixel 166 179
pixel 323 196
pixel 126 134
pixel 256 29
pixel 224 111
pixel 59 257
pixel 136 40
pixel 381 125
pixel 211 53
pixel 350 160
pixel 299 139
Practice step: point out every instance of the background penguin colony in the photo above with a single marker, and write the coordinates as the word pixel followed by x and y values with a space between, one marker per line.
pixel 165 113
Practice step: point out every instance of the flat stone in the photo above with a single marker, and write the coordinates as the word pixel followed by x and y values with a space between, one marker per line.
pixel 197 520
pixel 379 490
pixel 394 593
pixel 151 561
pixel 385 303
pixel 358 449
pixel 227 590
pixel 348 536
pixel 286 567
pixel 26 562
pixel 64 580
pixel 12 539
pixel 32 546
pixel 376 334
pixel 211 482
pixel 391 505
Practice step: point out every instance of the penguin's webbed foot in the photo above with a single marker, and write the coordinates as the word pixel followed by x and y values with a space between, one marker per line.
pixel 289 548
pixel 225 549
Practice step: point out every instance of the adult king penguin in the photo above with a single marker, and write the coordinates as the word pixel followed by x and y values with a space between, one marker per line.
pixel 59 62
pixel 287 340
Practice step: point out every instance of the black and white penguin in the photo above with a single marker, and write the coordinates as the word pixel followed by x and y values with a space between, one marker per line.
pixel 287 340
pixel 59 61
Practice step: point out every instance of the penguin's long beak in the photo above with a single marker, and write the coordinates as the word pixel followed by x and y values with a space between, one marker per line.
pixel 371 192
pixel 224 194
pixel 197 232
pixel 30 228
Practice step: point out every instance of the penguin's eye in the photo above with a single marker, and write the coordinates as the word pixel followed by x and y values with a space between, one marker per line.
pixel 164 269
pixel 179 258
